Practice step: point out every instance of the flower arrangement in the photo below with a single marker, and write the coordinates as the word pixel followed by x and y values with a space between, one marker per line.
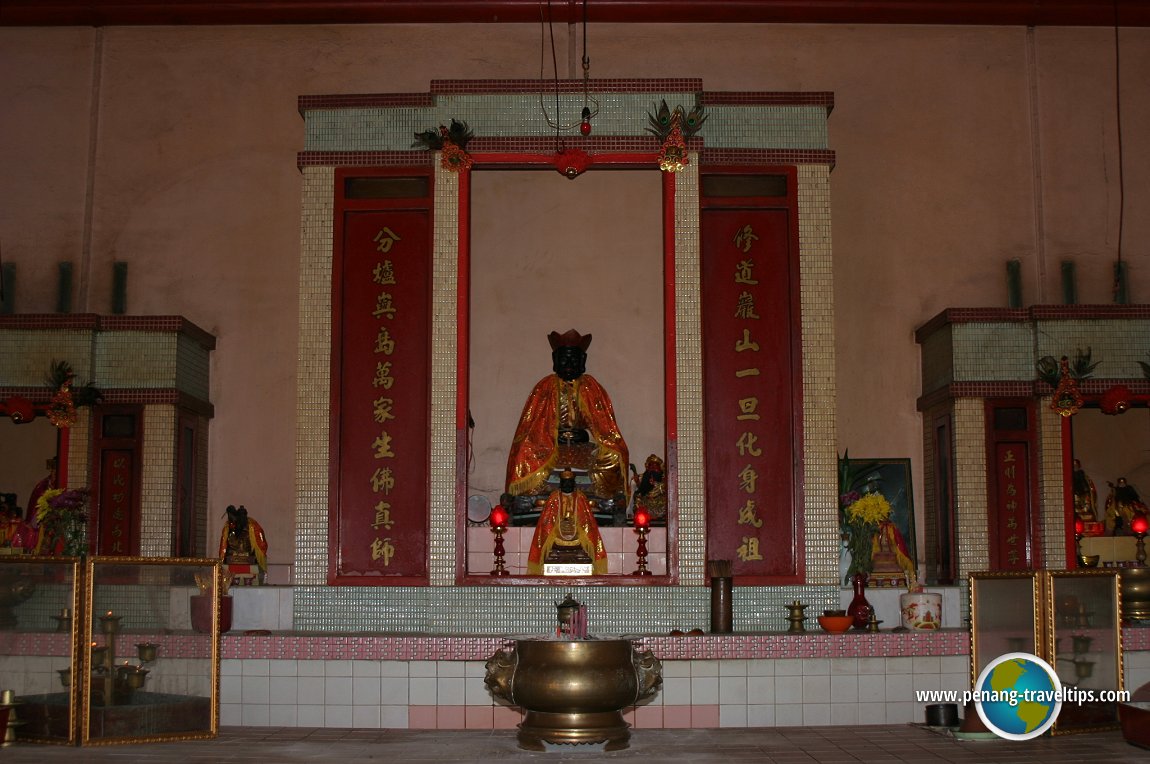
pixel 63 522
pixel 862 518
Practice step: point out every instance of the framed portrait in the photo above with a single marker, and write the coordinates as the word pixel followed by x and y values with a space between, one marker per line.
pixel 861 483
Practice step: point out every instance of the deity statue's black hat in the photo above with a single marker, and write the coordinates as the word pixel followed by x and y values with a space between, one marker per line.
pixel 569 339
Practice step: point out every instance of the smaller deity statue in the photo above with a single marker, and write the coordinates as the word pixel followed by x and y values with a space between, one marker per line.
pixel 243 548
pixel 651 490
pixel 1085 494
pixel 1122 505
pixel 567 531
pixel 11 518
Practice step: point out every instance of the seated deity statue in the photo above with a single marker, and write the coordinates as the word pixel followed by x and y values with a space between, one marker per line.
pixel 1122 506
pixel 1085 494
pixel 568 421
pixel 243 548
pixel 567 531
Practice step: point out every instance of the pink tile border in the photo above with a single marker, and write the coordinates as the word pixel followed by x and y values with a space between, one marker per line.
pixel 302 646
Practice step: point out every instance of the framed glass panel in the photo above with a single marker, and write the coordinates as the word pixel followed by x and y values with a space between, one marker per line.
pixel 151 653
pixel 1084 636
pixel 1005 610
pixel 39 634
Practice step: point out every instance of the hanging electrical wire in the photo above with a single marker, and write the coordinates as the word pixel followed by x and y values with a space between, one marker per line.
pixel 590 103
pixel 1119 274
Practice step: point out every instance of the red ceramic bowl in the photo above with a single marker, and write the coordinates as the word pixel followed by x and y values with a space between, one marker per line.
pixel 836 624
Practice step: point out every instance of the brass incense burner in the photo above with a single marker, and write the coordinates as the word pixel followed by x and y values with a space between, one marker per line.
pixel 573 691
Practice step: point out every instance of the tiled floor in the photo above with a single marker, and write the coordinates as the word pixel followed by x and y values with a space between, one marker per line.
pixel 786 745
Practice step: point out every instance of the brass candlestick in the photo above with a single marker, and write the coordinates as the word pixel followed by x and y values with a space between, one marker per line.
pixel 110 624
pixel 796 616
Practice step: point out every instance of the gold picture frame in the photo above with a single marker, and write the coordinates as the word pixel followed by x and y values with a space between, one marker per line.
pixel 39 597
pixel 1083 623
pixel 151 670
pixel 1005 616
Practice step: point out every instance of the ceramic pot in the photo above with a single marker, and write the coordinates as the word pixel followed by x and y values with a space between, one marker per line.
pixel 921 610
pixel 201 605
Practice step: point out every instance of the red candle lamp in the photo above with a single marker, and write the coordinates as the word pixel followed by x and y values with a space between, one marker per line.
pixel 642 523
pixel 498 527
pixel 1139 525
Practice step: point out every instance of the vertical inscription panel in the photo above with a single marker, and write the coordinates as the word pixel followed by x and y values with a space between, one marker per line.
pixel 380 474
pixel 750 392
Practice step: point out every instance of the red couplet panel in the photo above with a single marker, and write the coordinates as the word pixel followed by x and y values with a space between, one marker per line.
pixel 750 402
pixel 1011 512
pixel 117 518
pixel 382 364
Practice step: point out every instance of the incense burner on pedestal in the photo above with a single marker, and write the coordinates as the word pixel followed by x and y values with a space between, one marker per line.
pixel 573 690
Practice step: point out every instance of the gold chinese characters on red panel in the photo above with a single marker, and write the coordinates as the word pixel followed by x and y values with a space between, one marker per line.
pixel 379 517
pixel 751 392
pixel 1013 550
pixel 117 529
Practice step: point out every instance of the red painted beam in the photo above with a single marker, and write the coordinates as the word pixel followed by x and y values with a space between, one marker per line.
pixel 210 12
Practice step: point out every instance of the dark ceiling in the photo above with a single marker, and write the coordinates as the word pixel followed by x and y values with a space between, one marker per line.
pixel 178 12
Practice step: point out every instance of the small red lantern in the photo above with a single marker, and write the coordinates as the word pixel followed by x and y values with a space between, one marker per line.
pixel 1116 400
pixel 1079 527
pixel 20 409
pixel 642 519
pixel 1139 525
pixel 499 517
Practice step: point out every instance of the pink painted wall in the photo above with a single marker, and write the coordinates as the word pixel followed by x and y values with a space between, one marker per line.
pixel 173 149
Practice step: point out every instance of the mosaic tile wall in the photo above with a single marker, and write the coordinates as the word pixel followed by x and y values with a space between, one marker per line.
pixel 511 114
pixel 345 126
pixel 970 486
pixel 444 360
pixel 688 450
pixel 313 375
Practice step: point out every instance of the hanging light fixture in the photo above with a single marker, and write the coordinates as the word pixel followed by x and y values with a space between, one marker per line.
pixel 590 103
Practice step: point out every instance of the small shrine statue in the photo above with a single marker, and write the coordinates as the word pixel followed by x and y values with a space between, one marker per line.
pixel 567 531
pixel 243 548
pixel 568 413
pixel 1122 505
pixel 651 490
pixel 1085 494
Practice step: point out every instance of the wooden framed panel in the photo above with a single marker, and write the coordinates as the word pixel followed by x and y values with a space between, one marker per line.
pixel 1084 641
pixel 1005 616
pixel 150 669
pixel 39 646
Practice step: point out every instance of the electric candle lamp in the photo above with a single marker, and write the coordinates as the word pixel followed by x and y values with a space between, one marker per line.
pixel 498 517
pixel 642 523
pixel 1140 526
pixel 1079 527
pixel 498 526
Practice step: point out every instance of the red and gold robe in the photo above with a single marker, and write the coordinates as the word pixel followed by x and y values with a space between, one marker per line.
pixel 534 448
pixel 547 532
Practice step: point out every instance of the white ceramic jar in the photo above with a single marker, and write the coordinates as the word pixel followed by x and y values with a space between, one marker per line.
pixel 921 610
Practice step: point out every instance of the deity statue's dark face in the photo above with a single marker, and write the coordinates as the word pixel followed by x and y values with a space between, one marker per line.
pixel 567 484
pixel 569 362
